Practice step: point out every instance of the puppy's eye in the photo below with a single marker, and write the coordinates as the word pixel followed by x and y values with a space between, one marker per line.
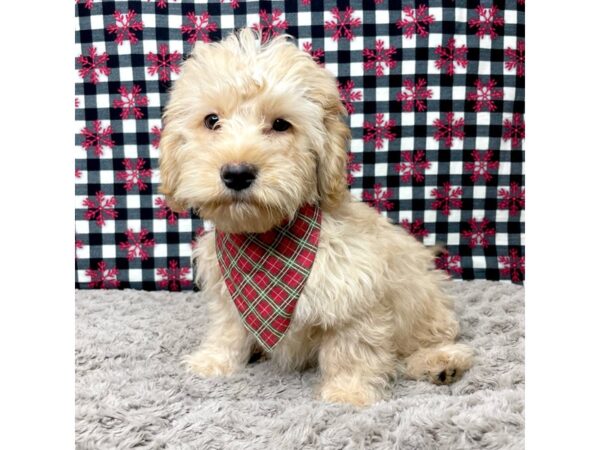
pixel 281 125
pixel 211 121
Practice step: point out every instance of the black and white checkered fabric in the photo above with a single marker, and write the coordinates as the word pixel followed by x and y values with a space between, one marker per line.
pixel 436 111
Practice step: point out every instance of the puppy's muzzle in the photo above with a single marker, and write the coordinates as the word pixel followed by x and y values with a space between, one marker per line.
pixel 238 176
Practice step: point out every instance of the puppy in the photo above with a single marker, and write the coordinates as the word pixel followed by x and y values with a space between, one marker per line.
pixel 254 132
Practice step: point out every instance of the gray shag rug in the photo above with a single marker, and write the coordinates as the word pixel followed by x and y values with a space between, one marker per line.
pixel 132 391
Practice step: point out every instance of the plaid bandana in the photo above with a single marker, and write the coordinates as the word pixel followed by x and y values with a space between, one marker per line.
pixel 265 273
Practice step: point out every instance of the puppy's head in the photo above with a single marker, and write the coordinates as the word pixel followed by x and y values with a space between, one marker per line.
pixel 253 131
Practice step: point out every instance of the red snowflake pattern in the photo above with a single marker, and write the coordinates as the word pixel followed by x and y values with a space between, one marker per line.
pixel 77 102
pixel 413 166
pixel 100 208
pixel 447 198
pixel 416 229
pixel 93 65
pixel 133 175
pixel 97 138
pixel 514 130
pixel 156 132
pixel 234 3
pixel 270 25
pixel 479 233
pixel 521 2
pixel 78 173
pixel 482 165
pixel 173 276
pixel 415 21
pixel 486 21
pixel 164 63
pixel 513 199
pixel 516 58
pixel 199 27
pixel 161 3
pixel 449 129
pixel 379 198
pixel 348 95
pixel 125 27
pixel 352 166
pixel 449 263
pixel 89 4
pixel 379 131
pixel 165 212
pixel 342 23
pixel 137 244
pixel 484 95
pixel 78 246
pixel 103 277
pixel 379 57
pixel 317 54
pixel 451 56
pixel 415 95
pixel 130 102
pixel 513 266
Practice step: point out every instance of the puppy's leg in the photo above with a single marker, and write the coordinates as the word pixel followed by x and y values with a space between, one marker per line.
pixel 227 346
pixel 356 363
pixel 441 364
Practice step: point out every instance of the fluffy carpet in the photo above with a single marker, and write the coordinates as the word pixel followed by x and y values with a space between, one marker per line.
pixel 132 392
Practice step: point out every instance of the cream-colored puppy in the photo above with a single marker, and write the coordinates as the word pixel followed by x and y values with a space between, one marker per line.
pixel 372 305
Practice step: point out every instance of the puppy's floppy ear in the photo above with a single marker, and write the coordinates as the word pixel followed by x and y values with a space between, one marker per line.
pixel 331 170
pixel 170 142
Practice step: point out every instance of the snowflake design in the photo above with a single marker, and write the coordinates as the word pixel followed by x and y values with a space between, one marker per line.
pixel 93 65
pixel 513 266
pixel 479 232
pixel 100 208
pixel 78 173
pixel 446 198
pixel 270 25
pixel 449 129
pixel 348 95
pixel 103 277
pixel 342 23
pixel 173 276
pixel 234 4
pixel 514 130
pixel 485 95
pixel 513 199
pixel 449 263
pixel 156 132
pixel 416 229
pixel 89 4
pixel 415 95
pixel 306 2
pixel 161 3
pixel 416 20
pixel 521 2
pixel 378 57
pixel 164 63
pixel 451 56
pixel 137 244
pixel 352 167
pixel 97 138
pixel 77 102
pixel 125 27
pixel 486 21
pixel 481 165
pixel 133 175
pixel 316 55
pixel 413 166
pixel 165 212
pixel 198 27
pixel 379 198
pixel 516 58
pixel 130 102
pixel 379 131
pixel 78 246
pixel 200 231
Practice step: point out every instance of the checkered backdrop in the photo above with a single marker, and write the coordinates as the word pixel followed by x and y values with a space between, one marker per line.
pixel 435 92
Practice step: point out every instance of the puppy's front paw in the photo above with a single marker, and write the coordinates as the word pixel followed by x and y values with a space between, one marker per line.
pixel 208 364
pixel 351 394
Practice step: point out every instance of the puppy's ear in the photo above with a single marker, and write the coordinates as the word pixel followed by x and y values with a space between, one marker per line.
pixel 331 171
pixel 170 142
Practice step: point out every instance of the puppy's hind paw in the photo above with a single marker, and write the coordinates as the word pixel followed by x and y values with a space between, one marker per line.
pixel 207 365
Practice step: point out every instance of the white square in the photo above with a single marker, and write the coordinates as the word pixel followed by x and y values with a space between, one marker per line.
pixel 160 250
pixel 357 120
pixel 482 142
pixel 130 151
pixel 459 92
pixel 133 201
pixel 504 168
pixel 380 169
pixel 103 101
pixel 501 239
pixel 184 225
pixel 83 253
pixel 407 118
pixel 453 239
pixel 135 275
pixel 83 178
pixel 134 224
pixel 109 251
pixel 409 42
pixel 357 145
pixel 185 251
pixel 97 21
pixel 333 68
pixel 407 143
pixel 430 216
pixel 329 44
pixel 484 67
pixel 502 215
pixel 479 192
pixel 159 225
pixel 460 14
pixel 405 192
pixel 109 227
pixel 510 16
pixel 409 67
pixel 129 125
pixel 107 177
pixel 227 21
pixel 483 118
pixel 405 215
pixel 82 227
pixel 435 39
pixel 456 167
pixel 357 44
pixel 356 69
pixel 153 98
pixel 478 262
pixel 454 215
pixel 125 74
pixel 382 94
pixel 509 93
pixel 478 214
pixel 382 16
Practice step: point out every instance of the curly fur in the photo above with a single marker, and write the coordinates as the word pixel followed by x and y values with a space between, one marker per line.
pixel 368 309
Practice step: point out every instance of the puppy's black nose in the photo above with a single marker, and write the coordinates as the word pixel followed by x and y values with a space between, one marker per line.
pixel 238 176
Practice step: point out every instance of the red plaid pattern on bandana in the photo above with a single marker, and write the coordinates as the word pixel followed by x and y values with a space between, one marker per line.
pixel 266 272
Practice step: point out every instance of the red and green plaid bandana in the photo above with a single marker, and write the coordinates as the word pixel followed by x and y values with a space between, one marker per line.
pixel 265 273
